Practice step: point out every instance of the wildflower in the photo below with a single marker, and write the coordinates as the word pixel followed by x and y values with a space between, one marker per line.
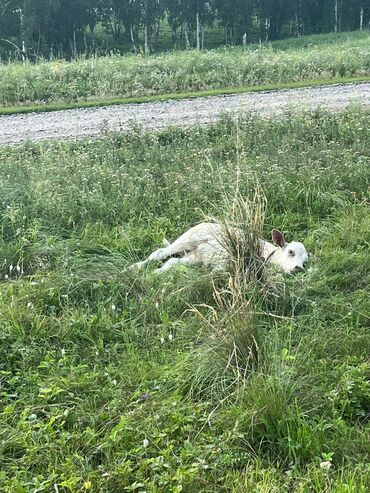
pixel 145 443
pixel 162 340
pixel 170 337
pixel 326 465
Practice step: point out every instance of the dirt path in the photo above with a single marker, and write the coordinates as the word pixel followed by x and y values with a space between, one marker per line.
pixel 91 122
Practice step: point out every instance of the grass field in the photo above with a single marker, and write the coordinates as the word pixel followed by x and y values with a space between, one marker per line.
pixel 114 381
pixel 62 82
pixel 214 38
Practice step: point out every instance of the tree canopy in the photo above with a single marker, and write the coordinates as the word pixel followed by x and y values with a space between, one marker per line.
pixel 65 27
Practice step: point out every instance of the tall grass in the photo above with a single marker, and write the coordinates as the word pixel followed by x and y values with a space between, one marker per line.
pixel 133 76
pixel 189 381
pixel 230 350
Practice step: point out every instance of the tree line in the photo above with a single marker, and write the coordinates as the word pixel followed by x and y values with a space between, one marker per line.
pixel 43 27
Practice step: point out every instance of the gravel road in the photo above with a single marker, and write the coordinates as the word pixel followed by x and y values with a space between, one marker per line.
pixel 91 122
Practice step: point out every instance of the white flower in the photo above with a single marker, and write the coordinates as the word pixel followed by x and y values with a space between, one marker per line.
pixel 170 337
pixel 113 306
pixel 325 465
pixel 162 340
pixel 145 443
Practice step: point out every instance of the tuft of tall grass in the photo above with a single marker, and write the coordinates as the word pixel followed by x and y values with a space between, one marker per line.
pixel 228 351
pixel 244 228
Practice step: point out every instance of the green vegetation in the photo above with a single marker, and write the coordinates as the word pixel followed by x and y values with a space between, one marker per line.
pixel 116 381
pixel 307 42
pixel 37 108
pixel 31 29
pixel 181 72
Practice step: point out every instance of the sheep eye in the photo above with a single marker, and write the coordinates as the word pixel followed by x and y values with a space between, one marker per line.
pixel 291 253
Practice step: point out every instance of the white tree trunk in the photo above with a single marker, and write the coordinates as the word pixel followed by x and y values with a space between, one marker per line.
pixel 85 42
pixel 361 18
pixel 267 28
pixel 198 31
pixel 132 36
pixel 336 16
pixel 146 47
pixel 245 39
pixel 296 25
pixel 23 53
pixel 202 43
pixel 74 44
pixel 186 34
pixel 154 34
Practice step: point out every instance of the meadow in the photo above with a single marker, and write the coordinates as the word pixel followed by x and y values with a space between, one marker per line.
pixel 326 58
pixel 113 380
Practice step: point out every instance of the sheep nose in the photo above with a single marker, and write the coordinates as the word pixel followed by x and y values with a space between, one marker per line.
pixel 299 268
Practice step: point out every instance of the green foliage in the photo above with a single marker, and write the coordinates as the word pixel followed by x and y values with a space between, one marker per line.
pixel 67 27
pixel 191 381
pixel 351 395
pixel 135 76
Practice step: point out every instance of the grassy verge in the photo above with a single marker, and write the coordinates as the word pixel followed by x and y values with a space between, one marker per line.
pixel 38 108
pixel 120 381
pixel 101 79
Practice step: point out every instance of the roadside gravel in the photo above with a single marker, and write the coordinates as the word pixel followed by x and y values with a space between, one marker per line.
pixel 92 122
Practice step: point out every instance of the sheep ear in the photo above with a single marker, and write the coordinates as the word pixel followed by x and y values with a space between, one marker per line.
pixel 278 238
